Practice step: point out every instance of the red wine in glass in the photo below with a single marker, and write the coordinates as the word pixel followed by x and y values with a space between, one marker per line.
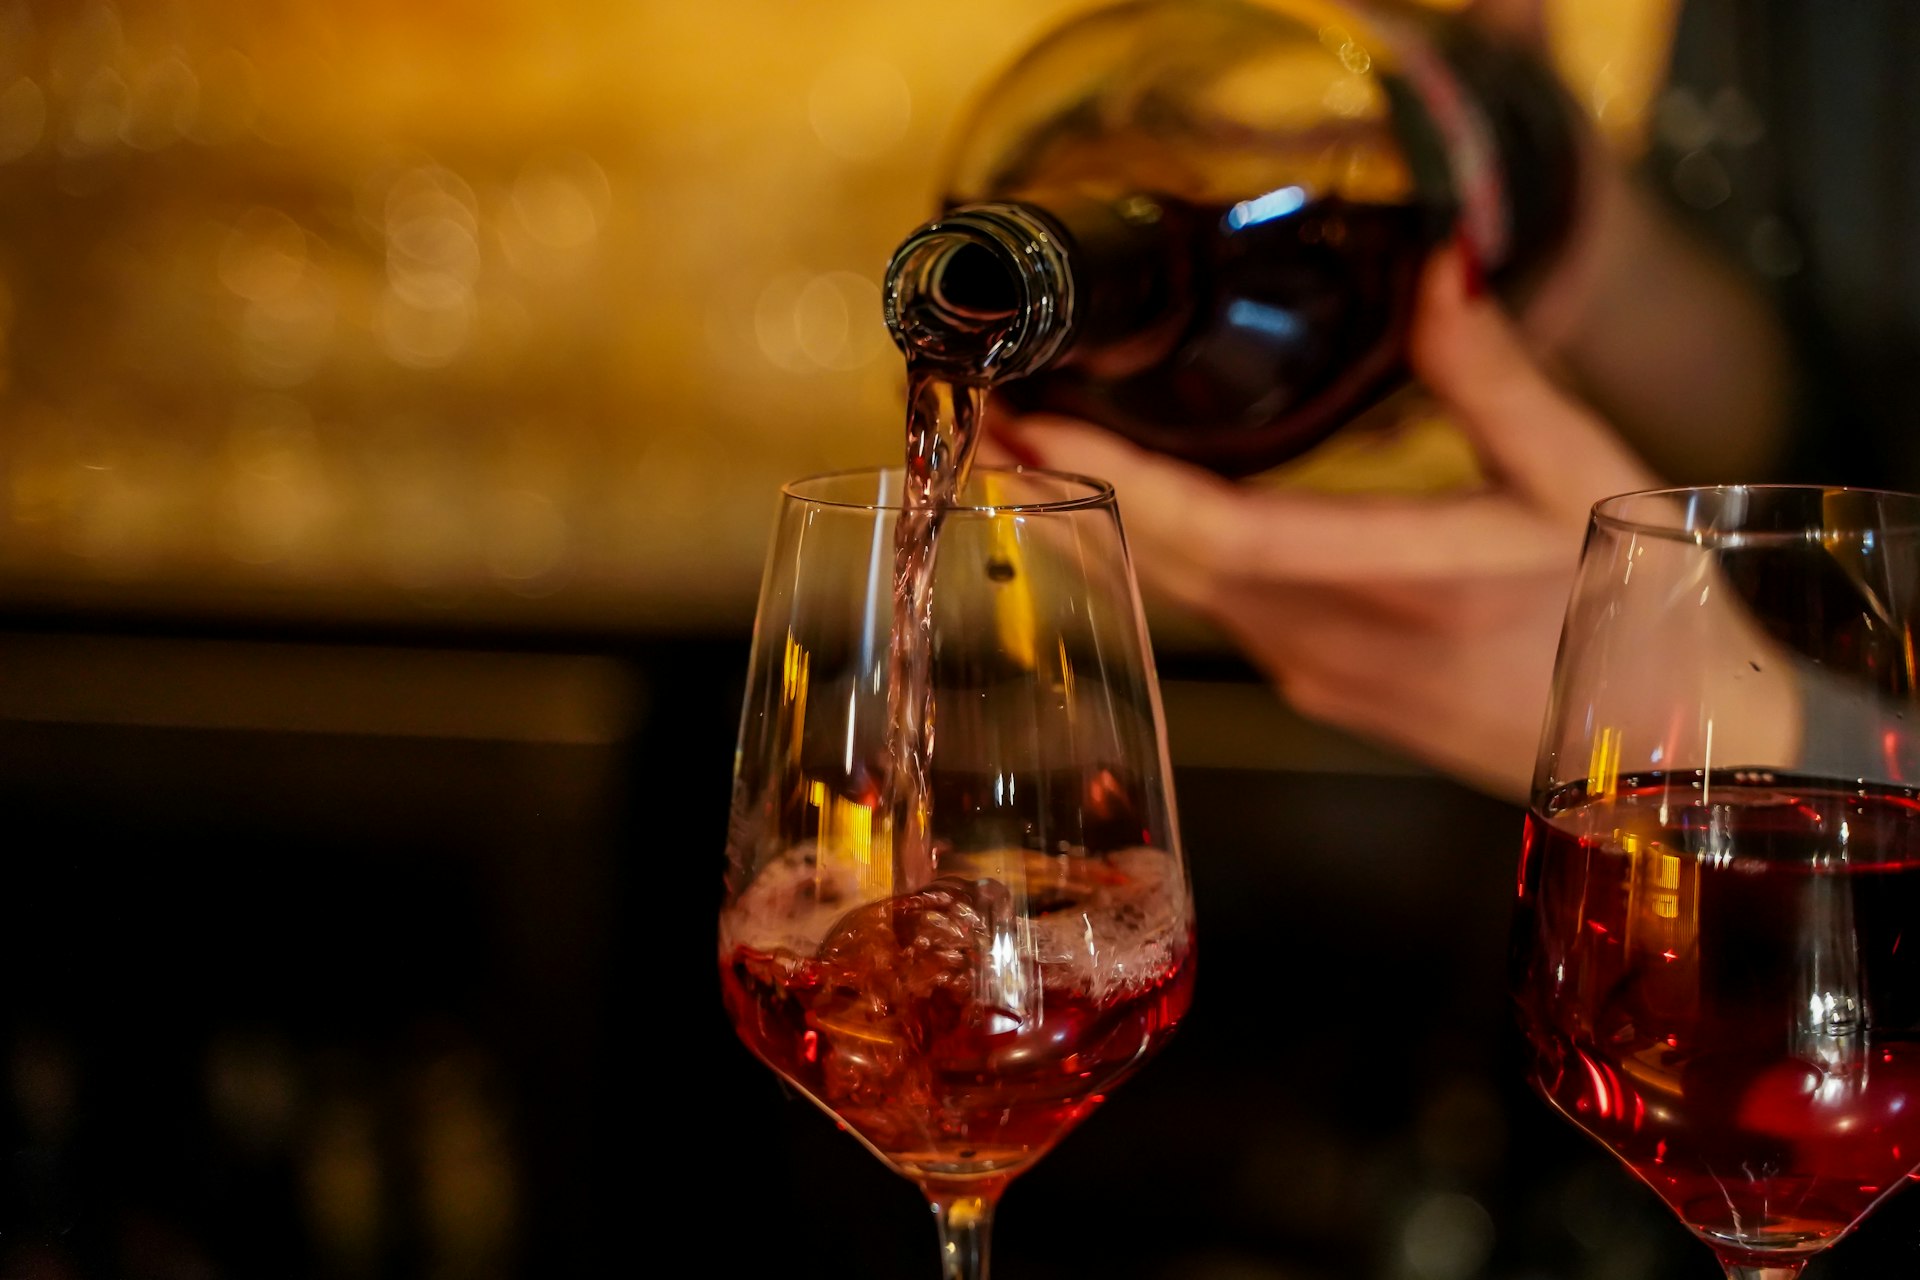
pixel 1769 1093
pixel 887 1023
pixel 1722 861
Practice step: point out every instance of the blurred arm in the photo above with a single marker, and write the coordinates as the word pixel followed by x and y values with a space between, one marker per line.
pixel 1652 325
pixel 1671 345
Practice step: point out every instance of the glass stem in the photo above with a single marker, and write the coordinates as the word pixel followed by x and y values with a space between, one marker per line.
pixel 1785 1272
pixel 966 1229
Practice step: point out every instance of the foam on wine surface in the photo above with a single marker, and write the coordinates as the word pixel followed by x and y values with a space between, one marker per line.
pixel 1099 924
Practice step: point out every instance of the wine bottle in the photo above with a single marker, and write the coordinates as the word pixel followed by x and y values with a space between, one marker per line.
pixel 1201 223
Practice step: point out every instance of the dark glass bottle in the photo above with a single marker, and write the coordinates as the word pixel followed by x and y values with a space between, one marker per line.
pixel 1200 223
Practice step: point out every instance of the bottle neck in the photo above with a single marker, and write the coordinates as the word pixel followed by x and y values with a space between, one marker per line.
pixel 985 292
pixel 996 291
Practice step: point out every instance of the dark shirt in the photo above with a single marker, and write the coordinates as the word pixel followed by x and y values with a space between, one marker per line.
pixel 1790 132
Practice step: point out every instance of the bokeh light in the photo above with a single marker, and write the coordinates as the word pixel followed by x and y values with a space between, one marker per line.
pixel 531 291
pixel 396 307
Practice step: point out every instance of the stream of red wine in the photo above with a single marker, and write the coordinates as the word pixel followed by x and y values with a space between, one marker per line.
pixel 943 420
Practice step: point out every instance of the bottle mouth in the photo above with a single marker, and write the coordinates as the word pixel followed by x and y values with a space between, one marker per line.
pixel 982 293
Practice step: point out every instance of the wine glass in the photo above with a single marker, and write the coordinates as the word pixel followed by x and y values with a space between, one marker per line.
pixel 1723 856
pixel 961 979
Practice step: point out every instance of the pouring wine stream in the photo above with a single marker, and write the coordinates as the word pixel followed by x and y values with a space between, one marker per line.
pixel 957 307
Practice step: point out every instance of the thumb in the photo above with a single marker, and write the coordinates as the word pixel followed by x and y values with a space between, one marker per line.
pixel 1176 515
pixel 1544 444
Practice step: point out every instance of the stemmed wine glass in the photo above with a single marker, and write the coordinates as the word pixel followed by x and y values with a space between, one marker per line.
pixel 960 1005
pixel 1723 857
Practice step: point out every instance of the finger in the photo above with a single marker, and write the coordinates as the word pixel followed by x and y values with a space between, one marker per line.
pixel 1418 689
pixel 1172 512
pixel 1534 436
pixel 1199 536
pixel 1363 541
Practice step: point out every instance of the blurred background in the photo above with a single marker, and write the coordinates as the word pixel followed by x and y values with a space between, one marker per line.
pixel 392 402
pixel 477 312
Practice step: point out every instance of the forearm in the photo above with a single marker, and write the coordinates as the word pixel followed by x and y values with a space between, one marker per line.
pixel 1644 318
pixel 1672 345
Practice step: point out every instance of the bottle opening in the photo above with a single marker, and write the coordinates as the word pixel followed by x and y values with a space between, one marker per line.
pixel 974 283
pixel 956 299
pixel 982 293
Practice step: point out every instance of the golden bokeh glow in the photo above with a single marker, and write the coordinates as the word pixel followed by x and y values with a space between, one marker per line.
pixel 478 310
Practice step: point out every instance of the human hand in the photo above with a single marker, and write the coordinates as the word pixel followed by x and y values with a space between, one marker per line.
pixel 1428 623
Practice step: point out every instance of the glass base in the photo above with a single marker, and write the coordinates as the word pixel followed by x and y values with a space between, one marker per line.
pixel 1779 1244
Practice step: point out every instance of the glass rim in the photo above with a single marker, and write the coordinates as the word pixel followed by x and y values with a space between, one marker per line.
pixel 1099 492
pixel 1606 513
